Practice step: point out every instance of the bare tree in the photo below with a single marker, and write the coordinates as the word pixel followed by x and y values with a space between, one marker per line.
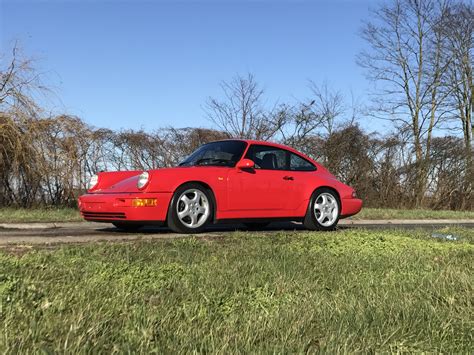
pixel 447 174
pixel 320 115
pixel 240 112
pixel 19 82
pixel 458 28
pixel 404 59
pixel 327 104
pixel 300 124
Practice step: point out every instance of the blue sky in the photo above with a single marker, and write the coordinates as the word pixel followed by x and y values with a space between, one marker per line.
pixel 149 64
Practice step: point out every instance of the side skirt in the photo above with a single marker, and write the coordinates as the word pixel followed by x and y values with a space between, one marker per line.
pixel 259 220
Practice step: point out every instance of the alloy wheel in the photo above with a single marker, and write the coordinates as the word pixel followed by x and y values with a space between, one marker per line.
pixel 326 209
pixel 193 208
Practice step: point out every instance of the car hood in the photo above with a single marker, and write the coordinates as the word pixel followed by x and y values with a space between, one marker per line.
pixel 160 180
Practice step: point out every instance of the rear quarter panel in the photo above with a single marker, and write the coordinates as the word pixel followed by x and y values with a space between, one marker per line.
pixel 306 183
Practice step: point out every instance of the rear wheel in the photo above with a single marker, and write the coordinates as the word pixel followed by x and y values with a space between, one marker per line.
pixel 191 209
pixel 323 211
pixel 129 227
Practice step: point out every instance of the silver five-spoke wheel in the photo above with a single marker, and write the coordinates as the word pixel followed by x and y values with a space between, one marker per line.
pixel 326 209
pixel 193 208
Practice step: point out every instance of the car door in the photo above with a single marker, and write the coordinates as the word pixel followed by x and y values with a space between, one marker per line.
pixel 267 187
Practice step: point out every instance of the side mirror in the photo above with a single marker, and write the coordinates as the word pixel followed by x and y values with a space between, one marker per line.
pixel 245 164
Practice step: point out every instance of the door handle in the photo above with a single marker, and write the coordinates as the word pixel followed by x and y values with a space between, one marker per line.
pixel 288 178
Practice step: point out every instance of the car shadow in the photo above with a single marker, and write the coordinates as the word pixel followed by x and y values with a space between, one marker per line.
pixel 224 227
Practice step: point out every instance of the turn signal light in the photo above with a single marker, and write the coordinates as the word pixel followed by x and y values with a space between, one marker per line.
pixel 144 202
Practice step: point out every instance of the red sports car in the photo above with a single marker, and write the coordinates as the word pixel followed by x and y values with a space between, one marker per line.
pixel 231 180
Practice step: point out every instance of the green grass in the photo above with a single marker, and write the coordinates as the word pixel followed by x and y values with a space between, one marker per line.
pixel 18 215
pixel 347 291
pixel 387 213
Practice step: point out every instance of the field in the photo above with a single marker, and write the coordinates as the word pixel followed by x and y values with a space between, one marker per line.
pixel 18 215
pixel 351 290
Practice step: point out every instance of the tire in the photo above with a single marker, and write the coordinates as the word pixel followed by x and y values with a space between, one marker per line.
pixel 129 227
pixel 191 209
pixel 253 226
pixel 324 210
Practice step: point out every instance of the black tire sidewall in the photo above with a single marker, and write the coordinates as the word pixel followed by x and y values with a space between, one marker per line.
pixel 310 219
pixel 173 221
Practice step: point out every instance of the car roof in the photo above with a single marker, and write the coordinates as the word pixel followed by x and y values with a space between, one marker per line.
pixel 253 141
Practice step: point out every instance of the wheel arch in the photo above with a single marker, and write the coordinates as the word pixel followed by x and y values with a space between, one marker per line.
pixel 204 185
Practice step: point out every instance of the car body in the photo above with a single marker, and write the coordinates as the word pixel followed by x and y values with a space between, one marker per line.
pixel 240 180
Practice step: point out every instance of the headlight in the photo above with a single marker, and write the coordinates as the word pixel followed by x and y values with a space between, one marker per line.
pixel 143 180
pixel 93 181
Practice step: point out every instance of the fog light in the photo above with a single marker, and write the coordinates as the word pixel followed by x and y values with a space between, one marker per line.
pixel 144 202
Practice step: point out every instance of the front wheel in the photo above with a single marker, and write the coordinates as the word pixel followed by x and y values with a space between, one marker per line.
pixel 323 211
pixel 191 209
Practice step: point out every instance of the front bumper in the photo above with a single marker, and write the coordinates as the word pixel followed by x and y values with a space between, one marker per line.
pixel 118 207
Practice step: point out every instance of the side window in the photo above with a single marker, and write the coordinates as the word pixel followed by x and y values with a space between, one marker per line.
pixel 297 163
pixel 269 158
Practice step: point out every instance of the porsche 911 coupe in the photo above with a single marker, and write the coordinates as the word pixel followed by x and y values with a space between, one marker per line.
pixel 234 180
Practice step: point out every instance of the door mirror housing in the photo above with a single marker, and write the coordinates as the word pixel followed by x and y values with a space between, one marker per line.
pixel 245 164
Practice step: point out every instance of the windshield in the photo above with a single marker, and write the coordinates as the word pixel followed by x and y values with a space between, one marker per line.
pixel 225 153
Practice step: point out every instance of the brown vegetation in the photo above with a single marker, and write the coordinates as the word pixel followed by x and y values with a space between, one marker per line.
pixel 420 52
pixel 49 161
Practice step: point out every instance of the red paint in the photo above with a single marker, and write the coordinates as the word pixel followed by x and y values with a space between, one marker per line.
pixel 240 192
